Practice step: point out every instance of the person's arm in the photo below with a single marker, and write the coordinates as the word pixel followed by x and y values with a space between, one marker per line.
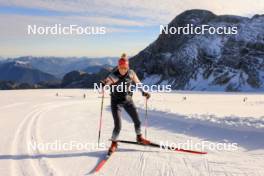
pixel 106 81
pixel 109 80
pixel 136 80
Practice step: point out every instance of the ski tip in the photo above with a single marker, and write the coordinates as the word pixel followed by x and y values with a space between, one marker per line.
pixel 102 162
pixel 100 165
pixel 202 153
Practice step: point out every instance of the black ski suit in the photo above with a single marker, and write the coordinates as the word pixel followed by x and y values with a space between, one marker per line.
pixel 123 99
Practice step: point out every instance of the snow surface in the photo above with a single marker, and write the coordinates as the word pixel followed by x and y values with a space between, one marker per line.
pixel 40 116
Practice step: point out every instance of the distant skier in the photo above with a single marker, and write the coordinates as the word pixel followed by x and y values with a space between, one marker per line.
pixel 245 99
pixel 125 77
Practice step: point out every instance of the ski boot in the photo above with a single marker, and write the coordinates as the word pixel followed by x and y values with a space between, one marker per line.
pixel 112 148
pixel 141 140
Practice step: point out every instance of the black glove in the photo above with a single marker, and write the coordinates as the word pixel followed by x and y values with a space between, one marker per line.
pixel 146 94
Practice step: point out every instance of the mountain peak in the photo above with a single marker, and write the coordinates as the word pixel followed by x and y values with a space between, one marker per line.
pixel 195 16
pixel 226 62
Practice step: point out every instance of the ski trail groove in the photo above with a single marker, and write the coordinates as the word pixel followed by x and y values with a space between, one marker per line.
pixel 27 133
pixel 32 137
pixel 142 163
pixel 20 143
pixel 16 144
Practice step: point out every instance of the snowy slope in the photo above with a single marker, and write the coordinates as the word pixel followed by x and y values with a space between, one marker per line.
pixel 29 116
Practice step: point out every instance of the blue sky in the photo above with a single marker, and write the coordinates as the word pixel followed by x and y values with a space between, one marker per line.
pixel 131 25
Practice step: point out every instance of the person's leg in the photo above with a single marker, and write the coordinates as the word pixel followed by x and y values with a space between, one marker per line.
pixel 130 108
pixel 116 112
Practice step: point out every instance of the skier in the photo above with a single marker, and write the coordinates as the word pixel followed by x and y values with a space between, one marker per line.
pixel 125 77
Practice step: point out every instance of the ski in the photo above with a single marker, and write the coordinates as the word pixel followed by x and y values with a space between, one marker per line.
pixel 163 147
pixel 102 162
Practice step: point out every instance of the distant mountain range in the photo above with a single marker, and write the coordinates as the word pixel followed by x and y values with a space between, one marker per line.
pixel 41 72
pixel 22 72
pixel 59 66
pixel 206 62
pixel 78 79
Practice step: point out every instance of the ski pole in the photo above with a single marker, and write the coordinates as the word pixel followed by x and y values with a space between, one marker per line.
pixel 101 118
pixel 146 117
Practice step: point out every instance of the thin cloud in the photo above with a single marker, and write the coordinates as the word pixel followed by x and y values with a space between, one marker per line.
pixel 16 25
pixel 149 11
